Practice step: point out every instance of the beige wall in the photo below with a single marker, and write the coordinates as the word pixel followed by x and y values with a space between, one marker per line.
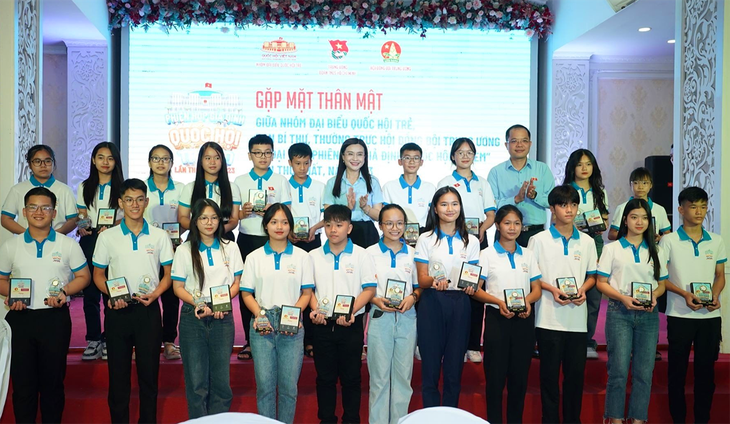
pixel 634 120
pixel 55 109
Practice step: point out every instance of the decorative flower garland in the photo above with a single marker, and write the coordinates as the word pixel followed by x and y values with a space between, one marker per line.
pixel 378 15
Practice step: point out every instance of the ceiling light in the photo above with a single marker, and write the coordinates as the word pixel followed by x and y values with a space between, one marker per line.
pixel 670 41
pixel 644 29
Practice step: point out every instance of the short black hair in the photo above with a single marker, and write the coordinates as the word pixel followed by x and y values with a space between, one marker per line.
pixel 132 184
pixel 260 139
pixel 457 143
pixel 339 213
pixel 516 126
pixel 563 194
pixel 40 191
pixel 411 146
pixel 299 150
pixel 691 195
pixel 641 174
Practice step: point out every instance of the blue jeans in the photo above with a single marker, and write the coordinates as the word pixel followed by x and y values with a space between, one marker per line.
pixel 277 360
pixel 206 345
pixel 391 345
pixel 630 335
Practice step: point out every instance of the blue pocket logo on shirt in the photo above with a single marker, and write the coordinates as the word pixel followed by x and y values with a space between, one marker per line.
pixel 709 254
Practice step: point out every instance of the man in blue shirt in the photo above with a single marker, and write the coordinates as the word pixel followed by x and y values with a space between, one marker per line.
pixel 522 182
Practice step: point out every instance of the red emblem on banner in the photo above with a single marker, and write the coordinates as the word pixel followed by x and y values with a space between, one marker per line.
pixel 391 52
pixel 339 49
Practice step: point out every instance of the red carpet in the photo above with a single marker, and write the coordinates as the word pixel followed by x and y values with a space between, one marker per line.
pixel 86 390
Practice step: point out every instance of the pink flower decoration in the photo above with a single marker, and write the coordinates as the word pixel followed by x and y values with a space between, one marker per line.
pixel 347 10
pixel 295 7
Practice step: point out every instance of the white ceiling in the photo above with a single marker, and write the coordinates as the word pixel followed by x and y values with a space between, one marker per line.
pixel 619 35
pixel 62 20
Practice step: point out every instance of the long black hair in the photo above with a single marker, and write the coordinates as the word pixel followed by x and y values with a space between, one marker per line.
pixel 595 180
pixel 271 211
pixel 648 235
pixel 224 184
pixel 194 236
pixel 92 182
pixel 149 158
pixel 364 170
pixel 503 212
pixel 432 221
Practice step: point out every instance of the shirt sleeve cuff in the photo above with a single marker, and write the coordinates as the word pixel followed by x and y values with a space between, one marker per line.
pixel 664 230
pixel 537 277
pixel 4 273
pixel 6 213
pixel 492 209
pixel 235 203
pixel 664 277
pixel 603 274
pixel 366 285
pixel 246 289
pixel 176 278
pixel 185 205
pixel 166 263
pixel 722 261
pixel 421 261
pixel 98 265
pixel 237 273
pixel 308 286
pixel 592 272
pixel 613 227
pixel 78 268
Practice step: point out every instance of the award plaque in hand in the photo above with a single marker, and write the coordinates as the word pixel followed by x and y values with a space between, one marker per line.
pixel 515 300
pixel 642 294
pixel 472 226
pixel 289 321
pixel 301 227
pixel 257 198
pixel 173 231
pixel 199 301
pixel 411 233
pixel 437 270
pixel 118 289
pixel 324 308
pixel 703 292
pixel 394 293
pixel 21 290
pixel 220 298
pixel 568 286
pixel 469 276
pixel 106 218
pixel 343 306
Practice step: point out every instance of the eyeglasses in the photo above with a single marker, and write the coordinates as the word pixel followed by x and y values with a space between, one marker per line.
pixel 351 155
pixel 465 153
pixel 130 201
pixel 411 158
pixel 39 162
pixel 206 219
pixel 45 209
pixel 520 141
pixel 165 159
pixel 267 154
pixel 641 183
pixel 390 224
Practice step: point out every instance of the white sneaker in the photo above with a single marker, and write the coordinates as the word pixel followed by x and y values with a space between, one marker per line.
pixel 474 355
pixel 92 351
pixel 417 355
pixel 591 353
pixel 104 355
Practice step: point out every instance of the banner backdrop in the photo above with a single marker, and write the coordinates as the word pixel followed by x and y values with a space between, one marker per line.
pixel 321 87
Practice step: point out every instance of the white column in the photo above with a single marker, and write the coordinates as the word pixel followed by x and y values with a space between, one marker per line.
pixel 699 127
pixel 20 92
pixel 571 89
pixel 87 104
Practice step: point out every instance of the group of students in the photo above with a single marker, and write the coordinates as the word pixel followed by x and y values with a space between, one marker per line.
pixel 272 267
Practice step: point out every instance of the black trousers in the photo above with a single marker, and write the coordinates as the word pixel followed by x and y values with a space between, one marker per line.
pixel 306 321
pixel 566 349
pixel 508 346
pixel 92 295
pixel 170 313
pixel 443 334
pixel 337 356
pixel 140 327
pixel 38 366
pixel 364 233
pixel 247 244
pixel 705 334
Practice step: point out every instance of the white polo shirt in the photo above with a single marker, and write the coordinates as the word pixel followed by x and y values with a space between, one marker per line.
pixel 277 279
pixel 657 212
pixel 623 264
pixel 587 201
pixel 56 257
pixel 398 265
pixel 162 207
pixel 102 200
pixel 449 250
pixel 222 263
pixel 133 257
pixel 65 202
pixel 504 270
pixel 347 273
pixel 277 191
pixel 476 195
pixel 212 192
pixel 559 257
pixel 416 197
pixel 306 200
pixel 691 262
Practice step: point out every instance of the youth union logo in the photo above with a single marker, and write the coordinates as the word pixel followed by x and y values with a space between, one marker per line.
pixel 339 49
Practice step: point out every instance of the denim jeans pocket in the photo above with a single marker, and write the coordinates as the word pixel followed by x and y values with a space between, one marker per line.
pixel 614 305
pixel 187 309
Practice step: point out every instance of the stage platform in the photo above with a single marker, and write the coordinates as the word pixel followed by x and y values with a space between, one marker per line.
pixel 87 384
